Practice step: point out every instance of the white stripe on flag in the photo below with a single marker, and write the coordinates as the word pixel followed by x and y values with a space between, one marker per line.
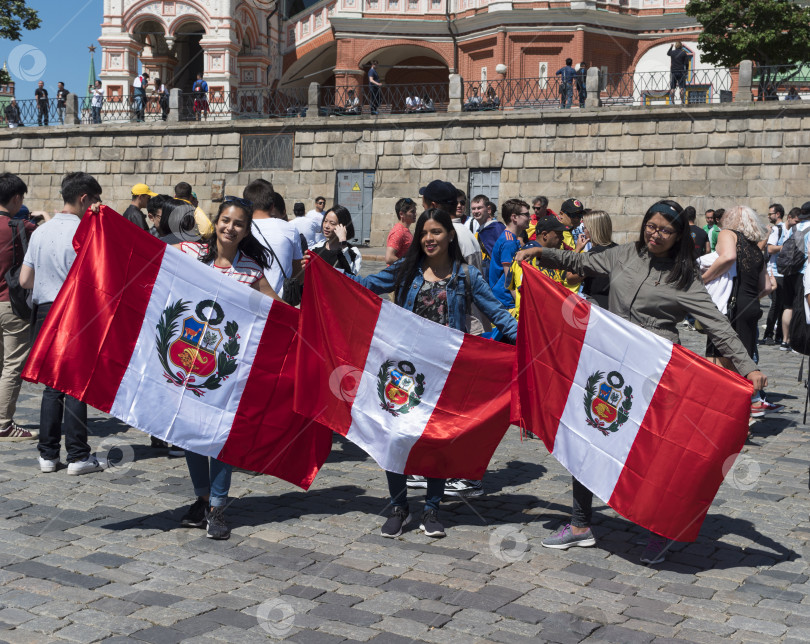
pixel 146 400
pixel 610 345
pixel 432 349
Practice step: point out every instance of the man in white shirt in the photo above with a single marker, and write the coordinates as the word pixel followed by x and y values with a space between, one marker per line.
pixel 279 237
pixel 780 231
pixel 412 103
pixel 139 86
pixel 316 221
pixel 47 262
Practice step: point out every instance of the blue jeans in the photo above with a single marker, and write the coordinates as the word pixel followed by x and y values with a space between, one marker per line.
pixel 567 94
pixel 398 488
pixel 139 107
pixel 96 114
pixel 210 477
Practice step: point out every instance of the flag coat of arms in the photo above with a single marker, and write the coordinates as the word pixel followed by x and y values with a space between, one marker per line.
pixel 419 397
pixel 649 427
pixel 170 346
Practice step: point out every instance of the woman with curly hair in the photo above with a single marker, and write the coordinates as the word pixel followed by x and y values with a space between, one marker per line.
pixel 233 250
pixel 737 244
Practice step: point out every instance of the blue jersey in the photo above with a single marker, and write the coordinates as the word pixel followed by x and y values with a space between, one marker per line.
pixel 503 252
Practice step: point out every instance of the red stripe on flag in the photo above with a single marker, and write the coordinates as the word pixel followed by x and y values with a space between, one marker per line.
pixel 697 419
pixel 338 317
pixel 267 436
pixel 551 332
pixel 87 340
pixel 471 415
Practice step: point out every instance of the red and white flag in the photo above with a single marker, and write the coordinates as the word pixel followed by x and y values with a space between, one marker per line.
pixel 649 427
pixel 419 397
pixel 179 350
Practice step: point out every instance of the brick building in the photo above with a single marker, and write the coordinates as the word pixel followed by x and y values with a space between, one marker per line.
pixel 289 43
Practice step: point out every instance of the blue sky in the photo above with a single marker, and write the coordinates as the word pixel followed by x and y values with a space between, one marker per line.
pixel 57 51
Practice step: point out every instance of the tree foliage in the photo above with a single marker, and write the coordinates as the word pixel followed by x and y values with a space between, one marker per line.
pixel 769 32
pixel 16 15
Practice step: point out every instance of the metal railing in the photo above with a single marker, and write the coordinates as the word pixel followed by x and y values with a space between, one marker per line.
pixel 244 104
pixel 30 112
pixel 123 109
pixel 520 93
pixel 699 86
pixel 780 83
pixel 345 100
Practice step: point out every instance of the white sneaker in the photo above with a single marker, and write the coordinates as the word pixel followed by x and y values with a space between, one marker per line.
pixel 47 465
pixel 89 464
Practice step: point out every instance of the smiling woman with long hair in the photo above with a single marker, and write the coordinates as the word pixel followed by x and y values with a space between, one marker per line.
pixel 654 283
pixel 433 281
pixel 233 250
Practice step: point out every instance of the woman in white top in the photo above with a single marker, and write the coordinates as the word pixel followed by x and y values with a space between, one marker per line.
pixel 232 250
pixel 337 228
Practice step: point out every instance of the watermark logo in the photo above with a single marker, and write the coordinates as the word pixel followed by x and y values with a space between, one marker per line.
pixel 508 544
pixel 276 617
pixel 27 62
pixel 577 312
pixel 420 151
pixel 118 454
pixel 741 472
pixel 344 382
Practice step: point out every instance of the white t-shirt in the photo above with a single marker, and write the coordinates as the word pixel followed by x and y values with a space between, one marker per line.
pixel 282 237
pixel 470 248
pixel 315 223
pixel 50 253
pixel 775 239
pixel 98 97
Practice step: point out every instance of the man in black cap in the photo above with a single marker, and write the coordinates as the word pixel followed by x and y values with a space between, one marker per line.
pixel 570 216
pixel 442 195
pixel 549 231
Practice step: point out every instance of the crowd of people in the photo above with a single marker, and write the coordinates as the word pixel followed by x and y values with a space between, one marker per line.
pixel 456 269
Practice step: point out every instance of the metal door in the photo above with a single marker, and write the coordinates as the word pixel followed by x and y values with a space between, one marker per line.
pixel 485 182
pixel 354 189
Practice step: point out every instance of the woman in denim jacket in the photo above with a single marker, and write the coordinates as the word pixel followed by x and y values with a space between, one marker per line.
pixel 433 281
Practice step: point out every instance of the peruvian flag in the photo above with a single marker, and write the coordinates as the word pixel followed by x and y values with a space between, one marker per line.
pixel 649 427
pixel 179 350
pixel 419 397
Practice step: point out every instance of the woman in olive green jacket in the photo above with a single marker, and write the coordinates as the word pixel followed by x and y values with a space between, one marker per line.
pixel 654 283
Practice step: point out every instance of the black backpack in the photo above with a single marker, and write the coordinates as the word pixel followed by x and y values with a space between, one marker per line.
pixel 17 295
pixel 791 258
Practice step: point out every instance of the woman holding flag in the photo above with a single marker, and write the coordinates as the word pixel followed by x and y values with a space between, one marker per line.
pixel 433 281
pixel 654 283
pixel 233 250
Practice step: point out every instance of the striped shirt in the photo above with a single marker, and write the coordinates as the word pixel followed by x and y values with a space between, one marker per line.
pixel 243 269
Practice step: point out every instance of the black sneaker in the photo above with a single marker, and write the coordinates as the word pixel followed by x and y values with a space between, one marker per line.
pixel 416 481
pixel 393 527
pixel 217 528
pixel 430 524
pixel 195 515
pixel 463 487
pixel 784 347
pixel 769 342
pixel 156 443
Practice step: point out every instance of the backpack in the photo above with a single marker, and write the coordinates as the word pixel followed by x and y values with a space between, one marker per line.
pixel 18 296
pixel 791 258
pixel 799 329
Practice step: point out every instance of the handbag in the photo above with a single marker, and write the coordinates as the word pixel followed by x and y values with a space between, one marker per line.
pixel 18 296
pixel 292 290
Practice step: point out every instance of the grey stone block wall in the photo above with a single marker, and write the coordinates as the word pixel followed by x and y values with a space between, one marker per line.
pixel 616 159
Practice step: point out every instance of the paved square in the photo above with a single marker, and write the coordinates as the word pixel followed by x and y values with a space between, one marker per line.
pixel 101 556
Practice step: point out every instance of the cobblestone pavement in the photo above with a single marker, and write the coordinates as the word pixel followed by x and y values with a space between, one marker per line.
pixel 101 557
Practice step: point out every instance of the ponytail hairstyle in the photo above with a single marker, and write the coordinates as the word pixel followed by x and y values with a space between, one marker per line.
pixel 249 245
pixel 409 265
pixel 682 252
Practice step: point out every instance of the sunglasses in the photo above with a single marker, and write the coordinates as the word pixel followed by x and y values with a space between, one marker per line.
pixel 239 200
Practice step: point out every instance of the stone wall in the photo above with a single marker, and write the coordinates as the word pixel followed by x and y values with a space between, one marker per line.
pixel 619 160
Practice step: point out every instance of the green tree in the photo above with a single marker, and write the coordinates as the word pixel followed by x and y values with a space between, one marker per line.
pixel 15 16
pixel 769 32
